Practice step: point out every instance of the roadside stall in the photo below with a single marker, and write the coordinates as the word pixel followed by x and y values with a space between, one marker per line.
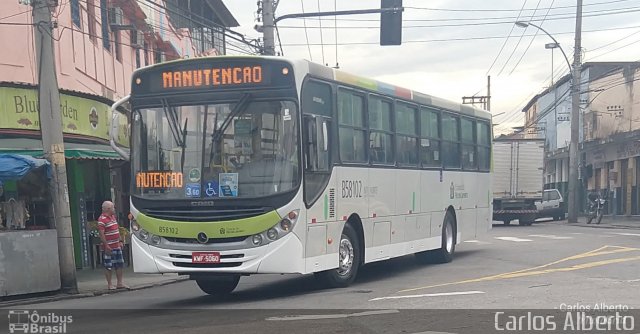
pixel 29 253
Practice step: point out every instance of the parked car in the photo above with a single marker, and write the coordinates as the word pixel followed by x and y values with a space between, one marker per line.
pixel 552 205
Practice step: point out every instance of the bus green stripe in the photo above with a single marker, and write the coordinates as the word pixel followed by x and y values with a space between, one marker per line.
pixel 414 202
pixel 222 229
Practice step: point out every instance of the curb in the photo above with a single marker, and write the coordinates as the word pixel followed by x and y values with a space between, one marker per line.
pixel 61 296
pixel 611 226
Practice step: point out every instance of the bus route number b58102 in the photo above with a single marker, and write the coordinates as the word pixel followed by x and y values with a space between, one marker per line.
pixel 352 189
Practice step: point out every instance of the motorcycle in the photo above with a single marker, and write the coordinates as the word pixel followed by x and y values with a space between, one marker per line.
pixel 596 210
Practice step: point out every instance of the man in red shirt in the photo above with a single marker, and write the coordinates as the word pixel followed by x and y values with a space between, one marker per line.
pixel 111 244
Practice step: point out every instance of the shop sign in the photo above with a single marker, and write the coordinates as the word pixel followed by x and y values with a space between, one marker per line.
pixel 80 116
pixel 628 150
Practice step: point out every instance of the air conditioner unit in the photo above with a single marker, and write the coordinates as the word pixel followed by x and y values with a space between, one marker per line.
pixel 137 39
pixel 115 16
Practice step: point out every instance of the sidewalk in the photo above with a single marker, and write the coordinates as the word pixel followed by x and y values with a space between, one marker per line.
pixel 622 222
pixel 91 282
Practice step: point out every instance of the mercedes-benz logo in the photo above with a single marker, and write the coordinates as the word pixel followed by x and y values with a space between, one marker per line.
pixel 202 238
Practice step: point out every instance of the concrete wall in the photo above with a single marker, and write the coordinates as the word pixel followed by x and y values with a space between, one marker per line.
pixel 28 262
pixel 613 104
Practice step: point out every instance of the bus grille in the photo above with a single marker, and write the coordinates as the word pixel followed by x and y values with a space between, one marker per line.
pixel 230 256
pixel 207 265
pixel 205 215
pixel 210 241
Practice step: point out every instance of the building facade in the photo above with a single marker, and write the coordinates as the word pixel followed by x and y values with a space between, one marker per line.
pixel 608 114
pixel 97 46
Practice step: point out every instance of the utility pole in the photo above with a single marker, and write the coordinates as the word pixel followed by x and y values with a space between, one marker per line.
pixel 52 141
pixel 268 18
pixel 488 93
pixel 485 100
pixel 575 120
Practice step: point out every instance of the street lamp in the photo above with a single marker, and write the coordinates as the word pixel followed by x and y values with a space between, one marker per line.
pixel 522 24
pixel 575 116
pixel 551 46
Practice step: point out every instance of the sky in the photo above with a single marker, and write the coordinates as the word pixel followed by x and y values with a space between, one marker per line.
pixel 450 47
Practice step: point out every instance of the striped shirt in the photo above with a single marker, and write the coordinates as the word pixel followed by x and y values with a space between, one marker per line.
pixel 109 226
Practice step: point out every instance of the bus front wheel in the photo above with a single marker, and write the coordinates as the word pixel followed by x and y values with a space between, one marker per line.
pixel 348 261
pixel 219 286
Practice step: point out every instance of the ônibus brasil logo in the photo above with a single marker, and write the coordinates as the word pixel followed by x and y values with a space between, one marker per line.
pixel 23 321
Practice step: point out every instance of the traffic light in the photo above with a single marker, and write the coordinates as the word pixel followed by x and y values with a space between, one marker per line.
pixel 391 23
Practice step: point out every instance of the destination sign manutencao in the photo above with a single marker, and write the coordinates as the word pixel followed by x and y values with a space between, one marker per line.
pixel 224 76
pixel 159 180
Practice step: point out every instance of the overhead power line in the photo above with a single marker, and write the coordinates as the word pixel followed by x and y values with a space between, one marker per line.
pixel 513 10
pixel 506 39
pixel 528 46
pixel 506 20
pixel 462 38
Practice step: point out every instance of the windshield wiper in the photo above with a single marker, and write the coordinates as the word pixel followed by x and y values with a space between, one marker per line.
pixel 172 119
pixel 180 136
pixel 218 132
pixel 184 145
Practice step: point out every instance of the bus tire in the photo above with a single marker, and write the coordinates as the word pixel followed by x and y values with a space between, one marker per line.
pixel 221 286
pixel 445 253
pixel 348 261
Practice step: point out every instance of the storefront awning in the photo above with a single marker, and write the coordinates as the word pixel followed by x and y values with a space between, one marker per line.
pixel 16 166
pixel 33 147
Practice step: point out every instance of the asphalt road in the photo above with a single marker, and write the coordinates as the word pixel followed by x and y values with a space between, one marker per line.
pixel 514 269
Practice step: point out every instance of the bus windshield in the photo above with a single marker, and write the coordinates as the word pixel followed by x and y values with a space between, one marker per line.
pixel 232 150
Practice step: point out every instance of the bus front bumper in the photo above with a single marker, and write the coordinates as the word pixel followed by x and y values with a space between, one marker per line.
pixel 284 256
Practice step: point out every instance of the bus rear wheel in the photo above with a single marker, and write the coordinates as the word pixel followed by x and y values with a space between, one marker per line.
pixel 219 286
pixel 348 261
pixel 445 253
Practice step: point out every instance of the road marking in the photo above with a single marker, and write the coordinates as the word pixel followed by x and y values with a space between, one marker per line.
pixel 460 293
pixel 512 239
pixel 539 270
pixel 549 236
pixel 629 234
pixel 477 242
pixel 329 316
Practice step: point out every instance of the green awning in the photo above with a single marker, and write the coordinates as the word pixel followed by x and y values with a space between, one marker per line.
pixel 33 147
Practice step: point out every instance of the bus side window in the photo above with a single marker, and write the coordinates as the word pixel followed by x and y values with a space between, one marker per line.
pixel 316 143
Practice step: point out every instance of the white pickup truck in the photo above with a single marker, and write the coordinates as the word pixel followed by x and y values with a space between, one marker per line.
pixel 552 205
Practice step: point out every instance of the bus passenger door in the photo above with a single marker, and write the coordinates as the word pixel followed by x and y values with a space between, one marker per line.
pixel 319 194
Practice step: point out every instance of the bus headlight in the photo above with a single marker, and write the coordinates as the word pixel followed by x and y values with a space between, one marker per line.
pixel 155 239
pixel 257 239
pixel 272 234
pixel 143 234
pixel 277 231
pixel 286 224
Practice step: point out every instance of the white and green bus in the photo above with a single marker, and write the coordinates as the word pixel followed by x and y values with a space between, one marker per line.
pixel 251 165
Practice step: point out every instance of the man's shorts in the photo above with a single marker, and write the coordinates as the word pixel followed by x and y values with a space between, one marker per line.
pixel 113 260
